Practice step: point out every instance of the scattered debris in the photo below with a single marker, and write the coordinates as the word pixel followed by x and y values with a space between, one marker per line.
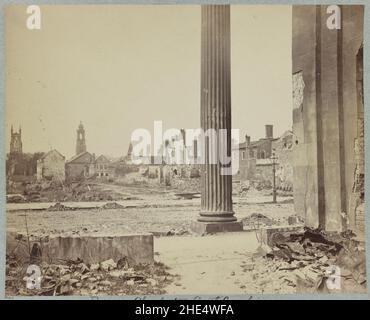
pixel 177 232
pixel 293 220
pixel 15 198
pixel 52 191
pixel 108 265
pixel 243 189
pixel 171 232
pixel 112 205
pixel 78 278
pixel 313 257
pixel 258 220
pixel 59 207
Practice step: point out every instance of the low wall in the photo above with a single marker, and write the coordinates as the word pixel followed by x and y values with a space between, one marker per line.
pixel 137 248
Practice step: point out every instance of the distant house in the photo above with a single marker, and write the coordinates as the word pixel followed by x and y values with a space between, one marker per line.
pixel 254 153
pixel 80 166
pixel 51 166
pixel 103 167
pixel 257 158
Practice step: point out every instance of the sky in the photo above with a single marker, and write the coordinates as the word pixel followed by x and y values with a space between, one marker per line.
pixel 118 68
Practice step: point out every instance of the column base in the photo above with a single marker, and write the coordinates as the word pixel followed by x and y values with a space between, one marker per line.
pixel 214 227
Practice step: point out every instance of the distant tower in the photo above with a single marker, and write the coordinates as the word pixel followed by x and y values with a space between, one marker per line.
pixel 129 151
pixel 16 141
pixel 81 143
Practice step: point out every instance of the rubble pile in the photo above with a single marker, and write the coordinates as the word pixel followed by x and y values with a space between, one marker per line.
pixel 258 220
pixel 191 185
pixel 78 278
pixel 177 232
pixel 92 192
pixel 15 198
pixel 51 191
pixel 249 187
pixel 59 207
pixel 312 258
pixel 171 232
pixel 261 184
pixel 112 205
pixel 243 190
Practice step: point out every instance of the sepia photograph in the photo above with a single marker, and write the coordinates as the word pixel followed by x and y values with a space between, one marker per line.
pixel 184 150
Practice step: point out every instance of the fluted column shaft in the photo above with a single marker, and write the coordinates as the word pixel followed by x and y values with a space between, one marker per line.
pixel 216 204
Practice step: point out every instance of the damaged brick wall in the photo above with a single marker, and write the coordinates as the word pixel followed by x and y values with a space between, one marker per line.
pixel 359 183
pixel 358 189
pixel 184 177
pixel 325 118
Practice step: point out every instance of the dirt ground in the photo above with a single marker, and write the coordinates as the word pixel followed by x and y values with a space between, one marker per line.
pixel 231 263
pixel 219 264
pixel 237 264
pixel 158 210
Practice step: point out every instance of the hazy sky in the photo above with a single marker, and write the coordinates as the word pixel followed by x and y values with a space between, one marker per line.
pixel 118 68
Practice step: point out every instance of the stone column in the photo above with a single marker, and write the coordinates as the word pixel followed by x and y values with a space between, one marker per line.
pixel 216 206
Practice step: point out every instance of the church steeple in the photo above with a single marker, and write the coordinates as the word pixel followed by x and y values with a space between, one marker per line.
pixel 81 143
pixel 15 141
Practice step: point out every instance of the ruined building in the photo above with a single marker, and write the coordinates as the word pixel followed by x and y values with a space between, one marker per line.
pixel 80 166
pixel 328 118
pixel 104 168
pixel 51 166
pixel 283 154
pixel 14 163
pixel 256 163
pixel 16 141
pixel 80 143
pixel 251 153
pixel 20 166
pixel 260 149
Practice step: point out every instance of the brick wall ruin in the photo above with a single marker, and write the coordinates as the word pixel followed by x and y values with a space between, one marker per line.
pixel 326 125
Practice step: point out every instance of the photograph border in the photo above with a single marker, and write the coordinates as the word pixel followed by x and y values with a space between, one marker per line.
pixel 298 296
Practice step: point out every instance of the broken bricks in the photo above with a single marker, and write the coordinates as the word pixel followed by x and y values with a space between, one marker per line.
pixel 309 254
pixel 108 265
pixel 78 278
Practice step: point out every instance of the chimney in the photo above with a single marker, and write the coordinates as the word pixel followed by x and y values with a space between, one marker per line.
pixel 269 131
pixel 195 146
pixel 183 134
pixel 247 140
